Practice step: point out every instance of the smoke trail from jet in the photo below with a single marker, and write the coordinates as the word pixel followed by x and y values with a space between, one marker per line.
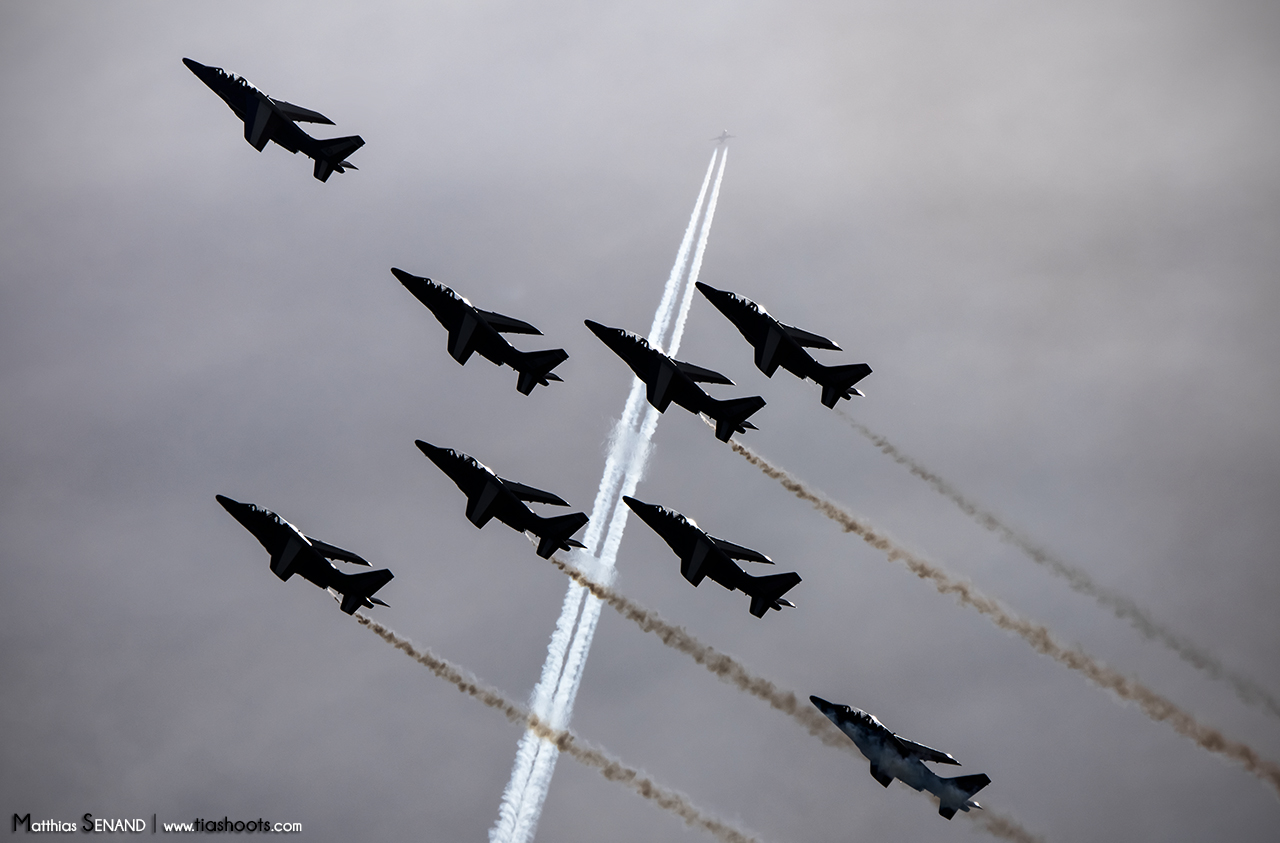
pixel 723 666
pixel 998 825
pixel 1121 606
pixel 608 766
pixel 729 670
pixel 1038 636
pixel 566 652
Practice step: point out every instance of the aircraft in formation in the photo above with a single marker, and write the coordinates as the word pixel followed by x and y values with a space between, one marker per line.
pixel 782 345
pixel 893 757
pixel 490 496
pixel 267 119
pixel 473 330
pixel 702 555
pixel 295 553
pixel 668 380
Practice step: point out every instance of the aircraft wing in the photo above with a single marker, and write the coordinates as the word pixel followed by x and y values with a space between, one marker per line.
pixel 299 114
pixel 912 749
pixel 528 493
pixel 507 325
pixel 737 551
pixel 332 552
pixel 809 340
pixel 697 373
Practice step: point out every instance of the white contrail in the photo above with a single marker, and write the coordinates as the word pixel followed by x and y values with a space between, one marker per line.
pixel 535 757
pixel 1122 606
pixel 608 766
pixel 571 676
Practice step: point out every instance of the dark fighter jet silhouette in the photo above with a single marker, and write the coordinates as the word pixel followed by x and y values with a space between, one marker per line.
pixel 474 330
pixel 893 757
pixel 702 555
pixel 266 119
pixel 783 345
pixel 295 553
pixel 490 496
pixel 671 380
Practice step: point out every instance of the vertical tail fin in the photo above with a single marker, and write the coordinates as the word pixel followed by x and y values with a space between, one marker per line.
pixel 731 416
pixel 837 381
pixel 554 533
pixel 535 368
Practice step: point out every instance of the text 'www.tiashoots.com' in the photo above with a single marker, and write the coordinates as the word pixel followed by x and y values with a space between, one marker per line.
pixel 89 824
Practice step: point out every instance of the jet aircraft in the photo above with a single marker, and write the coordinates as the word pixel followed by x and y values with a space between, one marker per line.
pixel 723 136
pixel 782 345
pixel 670 380
pixel 702 555
pixel 893 757
pixel 266 119
pixel 472 330
pixel 295 553
pixel 490 496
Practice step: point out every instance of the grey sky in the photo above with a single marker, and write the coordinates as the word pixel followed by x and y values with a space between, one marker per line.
pixel 1050 231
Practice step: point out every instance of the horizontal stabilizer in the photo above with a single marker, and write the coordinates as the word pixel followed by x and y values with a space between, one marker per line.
pixel 731 416
pixel 507 325
pixel 357 589
pixel 697 373
pixel 535 368
pixel 528 493
pixel 837 381
pixel 554 533
pixel 809 340
pixel 331 155
pixel 298 114
pixel 737 551
pixel 766 591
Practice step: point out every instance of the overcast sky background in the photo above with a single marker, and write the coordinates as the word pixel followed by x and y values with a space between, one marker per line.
pixel 1051 231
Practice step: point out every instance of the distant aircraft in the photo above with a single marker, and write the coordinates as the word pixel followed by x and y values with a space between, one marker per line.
pixel 723 136
pixel 893 757
pixel 490 496
pixel 266 119
pixel 671 380
pixel 702 555
pixel 782 345
pixel 472 330
pixel 294 553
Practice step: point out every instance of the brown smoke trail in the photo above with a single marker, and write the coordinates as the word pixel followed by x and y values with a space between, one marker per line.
pixel 1123 607
pixel 1152 704
pixel 608 766
pixel 728 669
pixel 998 825
pixel 724 666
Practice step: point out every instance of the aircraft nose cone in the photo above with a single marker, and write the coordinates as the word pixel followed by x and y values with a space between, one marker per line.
pixel 599 330
pixel 822 704
pixel 432 452
pixel 227 503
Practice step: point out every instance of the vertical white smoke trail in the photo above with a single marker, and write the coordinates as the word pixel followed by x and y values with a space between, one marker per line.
pixel 571 677
pixel 525 792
